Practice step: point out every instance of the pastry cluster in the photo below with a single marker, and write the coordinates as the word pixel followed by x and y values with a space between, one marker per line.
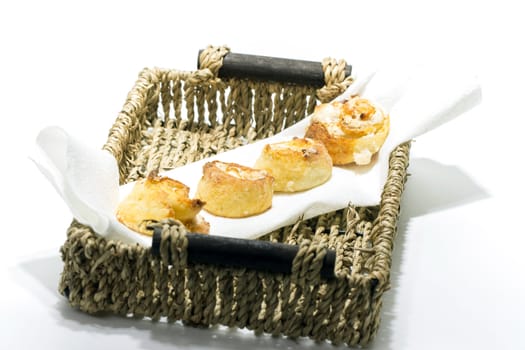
pixel 339 133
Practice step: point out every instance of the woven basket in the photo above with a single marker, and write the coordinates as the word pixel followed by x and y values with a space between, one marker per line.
pixel 174 117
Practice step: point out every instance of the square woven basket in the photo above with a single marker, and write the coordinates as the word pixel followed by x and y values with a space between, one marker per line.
pixel 173 117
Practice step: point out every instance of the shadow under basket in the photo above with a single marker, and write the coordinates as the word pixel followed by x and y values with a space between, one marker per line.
pixel 174 117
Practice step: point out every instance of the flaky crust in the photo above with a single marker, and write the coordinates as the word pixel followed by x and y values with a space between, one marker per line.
pixel 158 198
pixel 352 131
pixel 234 191
pixel 297 165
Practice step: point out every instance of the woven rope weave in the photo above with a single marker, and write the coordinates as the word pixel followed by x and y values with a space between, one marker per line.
pixel 173 117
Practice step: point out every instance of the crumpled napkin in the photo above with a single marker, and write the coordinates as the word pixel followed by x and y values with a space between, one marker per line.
pixel 418 99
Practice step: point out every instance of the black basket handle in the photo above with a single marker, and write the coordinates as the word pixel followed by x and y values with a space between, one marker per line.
pixel 243 253
pixel 237 65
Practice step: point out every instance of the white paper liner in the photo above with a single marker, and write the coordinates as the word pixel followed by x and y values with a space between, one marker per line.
pixel 417 100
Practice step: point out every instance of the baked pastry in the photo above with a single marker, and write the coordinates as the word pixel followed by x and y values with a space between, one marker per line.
pixel 352 131
pixel 296 165
pixel 157 198
pixel 234 191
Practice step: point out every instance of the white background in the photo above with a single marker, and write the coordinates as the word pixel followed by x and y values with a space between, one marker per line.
pixel 458 270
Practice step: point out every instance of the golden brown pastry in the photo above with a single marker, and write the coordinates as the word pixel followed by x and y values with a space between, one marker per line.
pixel 234 191
pixel 157 198
pixel 296 165
pixel 352 131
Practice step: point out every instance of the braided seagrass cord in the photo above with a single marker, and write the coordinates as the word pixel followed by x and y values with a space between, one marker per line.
pixel 174 117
